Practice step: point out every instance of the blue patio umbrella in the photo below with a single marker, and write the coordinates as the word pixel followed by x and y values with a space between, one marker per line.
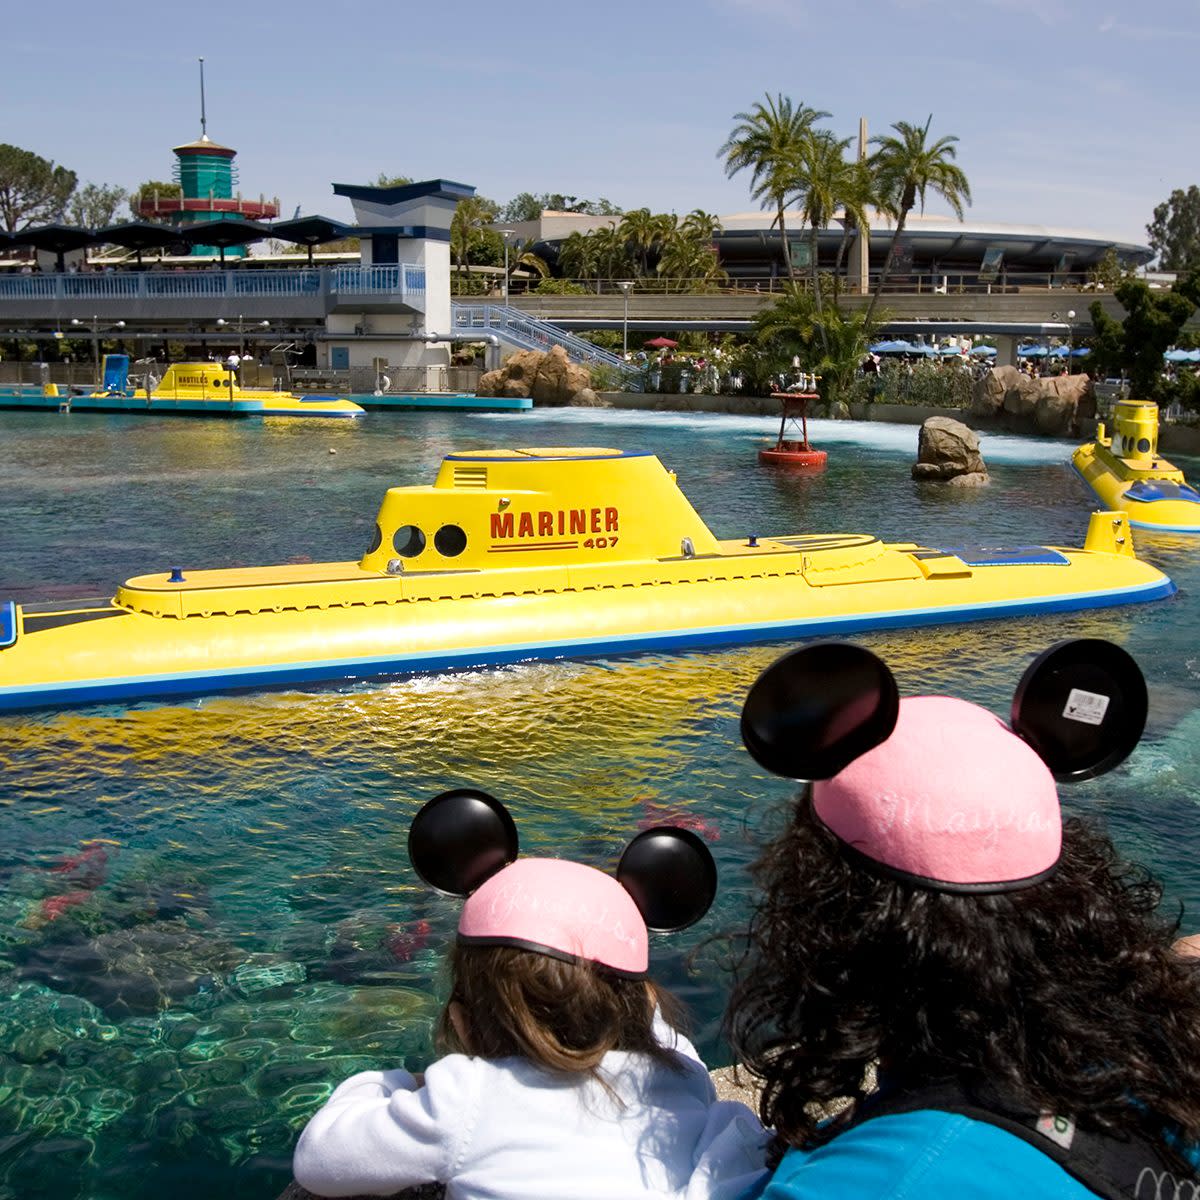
pixel 1081 351
pixel 893 347
pixel 1032 351
pixel 1058 352
pixel 984 351
pixel 1176 356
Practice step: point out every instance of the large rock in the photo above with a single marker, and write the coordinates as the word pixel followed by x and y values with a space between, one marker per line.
pixel 1063 401
pixel 947 450
pixel 549 378
pixel 987 398
pixel 1021 397
pixel 1053 406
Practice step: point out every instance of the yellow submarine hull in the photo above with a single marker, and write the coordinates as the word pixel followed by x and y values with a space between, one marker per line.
pixel 523 577
pixel 206 389
pixel 1174 508
pixel 1125 469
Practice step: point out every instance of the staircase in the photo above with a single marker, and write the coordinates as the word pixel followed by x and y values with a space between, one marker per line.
pixel 528 333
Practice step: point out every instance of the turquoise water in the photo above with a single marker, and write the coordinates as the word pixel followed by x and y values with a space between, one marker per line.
pixel 206 914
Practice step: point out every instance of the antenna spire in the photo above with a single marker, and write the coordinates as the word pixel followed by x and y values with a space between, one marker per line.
pixel 203 117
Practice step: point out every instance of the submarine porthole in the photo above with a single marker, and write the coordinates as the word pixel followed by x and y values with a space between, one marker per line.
pixel 376 540
pixel 409 541
pixel 450 541
pixel 1144 445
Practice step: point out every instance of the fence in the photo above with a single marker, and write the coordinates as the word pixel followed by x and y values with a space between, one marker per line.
pixel 404 281
pixel 925 282
pixel 391 381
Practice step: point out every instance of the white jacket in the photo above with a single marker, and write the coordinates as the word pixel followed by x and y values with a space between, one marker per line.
pixel 506 1128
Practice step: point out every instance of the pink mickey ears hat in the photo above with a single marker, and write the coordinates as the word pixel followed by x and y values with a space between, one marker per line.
pixel 464 843
pixel 935 790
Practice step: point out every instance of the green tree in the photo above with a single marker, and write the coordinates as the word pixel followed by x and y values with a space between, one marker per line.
pixel 701 226
pixel 385 180
pixel 524 206
pixel 643 231
pixel 612 256
pixel 1151 326
pixel 523 255
pixel 1175 231
pixel 857 196
pixel 469 232
pixel 32 189
pixel 766 141
pixel 577 256
pixel 906 167
pixel 821 172
pixel 145 193
pixel 690 262
pixel 828 342
pixel 95 205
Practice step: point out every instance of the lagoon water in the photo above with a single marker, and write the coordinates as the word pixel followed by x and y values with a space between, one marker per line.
pixel 207 917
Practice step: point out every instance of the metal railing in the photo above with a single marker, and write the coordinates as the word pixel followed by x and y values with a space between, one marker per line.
pixel 926 282
pixel 405 282
pixel 528 333
pixel 403 278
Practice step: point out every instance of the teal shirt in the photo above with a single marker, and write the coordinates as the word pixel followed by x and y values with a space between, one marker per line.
pixel 923 1155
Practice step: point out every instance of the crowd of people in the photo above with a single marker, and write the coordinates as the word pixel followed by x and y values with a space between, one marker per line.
pixel 947 990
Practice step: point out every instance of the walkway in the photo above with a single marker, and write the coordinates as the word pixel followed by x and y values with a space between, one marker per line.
pixel 526 332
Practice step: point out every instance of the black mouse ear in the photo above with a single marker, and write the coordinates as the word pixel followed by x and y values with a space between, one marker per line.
pixel 460 838
pixel 818 709
pixel 1082 706
pixel 671 875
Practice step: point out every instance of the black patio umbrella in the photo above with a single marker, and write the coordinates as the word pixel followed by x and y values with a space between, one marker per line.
pixel 310 232
pixel 223 234
pixel 138 236
pixel 56 239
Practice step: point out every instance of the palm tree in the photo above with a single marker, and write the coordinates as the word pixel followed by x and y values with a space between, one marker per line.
pixel 690 262
pixel 766 140
pixel 905 168
pixel 472 216
pixel 820 174
pixel 857 197
pixel 612 259
pixel 577 256
pixel 701 226
pixel 643 232
pixel 523 255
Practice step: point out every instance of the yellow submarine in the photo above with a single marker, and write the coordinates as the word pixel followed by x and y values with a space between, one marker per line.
pixel 198 389
pixel 514 555
pixel 1127 472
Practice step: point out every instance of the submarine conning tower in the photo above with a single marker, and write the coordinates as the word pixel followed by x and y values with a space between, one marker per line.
pixel 1135 432
pixel 538 507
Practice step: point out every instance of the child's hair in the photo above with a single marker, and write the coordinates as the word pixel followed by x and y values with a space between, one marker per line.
pixel 564 1016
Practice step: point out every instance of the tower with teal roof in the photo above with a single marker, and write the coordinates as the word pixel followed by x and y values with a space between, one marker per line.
pixel 207 175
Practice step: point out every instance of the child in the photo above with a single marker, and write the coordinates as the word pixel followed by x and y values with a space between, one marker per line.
pixel 563 1078
pixel 927 909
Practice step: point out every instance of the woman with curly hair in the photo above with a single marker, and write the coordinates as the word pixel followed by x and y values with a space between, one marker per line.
pixel 927 913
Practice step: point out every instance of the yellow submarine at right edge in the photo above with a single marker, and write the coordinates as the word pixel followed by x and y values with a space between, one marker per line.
pixel 1127 472
pixel 515 555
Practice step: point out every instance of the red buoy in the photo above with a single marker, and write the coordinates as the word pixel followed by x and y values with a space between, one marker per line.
pixel 793 451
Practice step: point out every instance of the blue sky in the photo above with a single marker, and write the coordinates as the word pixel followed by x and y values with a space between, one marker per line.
pixel 1069 112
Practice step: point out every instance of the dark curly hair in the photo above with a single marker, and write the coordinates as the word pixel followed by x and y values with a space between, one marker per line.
pixel 1065 995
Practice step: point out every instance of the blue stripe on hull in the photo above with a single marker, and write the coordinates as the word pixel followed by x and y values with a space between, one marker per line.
pixel 198 683
pixel 165 407
pixel 1165 528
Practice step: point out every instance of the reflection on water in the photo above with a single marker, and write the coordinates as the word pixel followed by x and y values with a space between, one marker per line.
pixel 206 914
